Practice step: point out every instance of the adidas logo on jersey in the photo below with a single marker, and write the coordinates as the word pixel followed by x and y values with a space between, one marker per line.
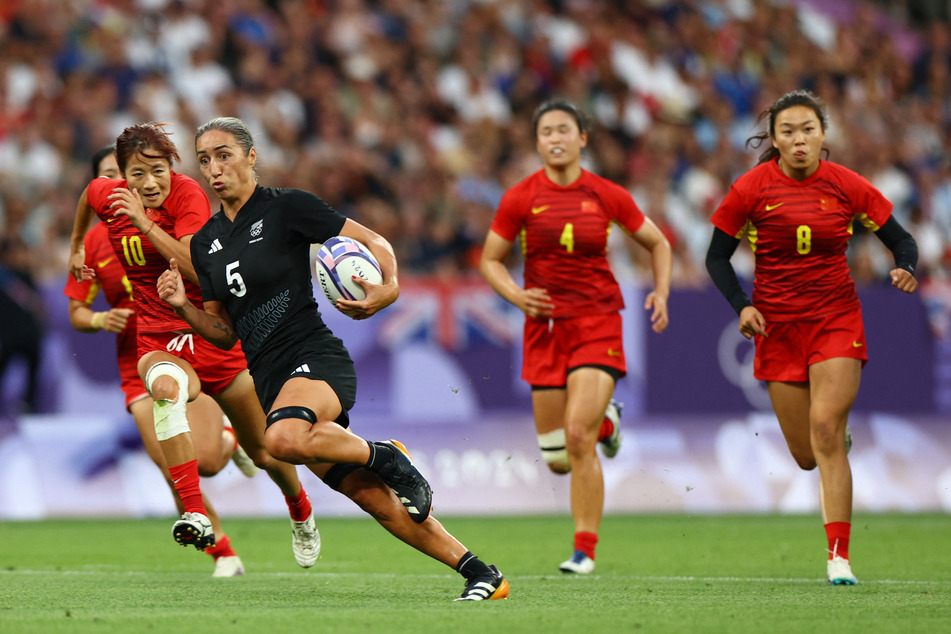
pixel 215 246
pixel 302 368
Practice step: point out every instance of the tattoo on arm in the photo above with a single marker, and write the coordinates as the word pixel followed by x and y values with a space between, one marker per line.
pixel 220 325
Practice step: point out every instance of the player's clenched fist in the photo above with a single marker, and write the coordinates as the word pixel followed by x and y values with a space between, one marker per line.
pixel 170 287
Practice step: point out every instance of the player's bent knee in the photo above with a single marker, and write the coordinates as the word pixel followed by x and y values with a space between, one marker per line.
pixel 207 472
pixel 281 441
pixel 804 459
pixel 262 459
pixel 827 438
pixel 280 445
pixel 554 451
pixel 170 418
pixel 806 463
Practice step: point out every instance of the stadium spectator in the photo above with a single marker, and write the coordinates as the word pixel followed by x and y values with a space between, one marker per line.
pixel 173 364
pixel 325 82
pixel 21 312
pixel 573 351
pixel 261 294
pixel 204 414
pixel 57 107
pixel 797 211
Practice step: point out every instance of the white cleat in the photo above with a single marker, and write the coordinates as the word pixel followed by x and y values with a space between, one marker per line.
pixel 840 572
pixel 579 564
pixel 228 567
pixel 194 529
pixel 306 541
pixel 240 457
pixel 612 444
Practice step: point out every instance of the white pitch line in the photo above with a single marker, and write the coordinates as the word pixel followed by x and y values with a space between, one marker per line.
pixel 386 575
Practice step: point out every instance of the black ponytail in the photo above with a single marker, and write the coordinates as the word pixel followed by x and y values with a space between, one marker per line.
pixel 789 100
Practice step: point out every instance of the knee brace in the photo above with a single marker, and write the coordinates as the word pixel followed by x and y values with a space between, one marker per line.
pixel 553 449
pixel 170 419
pixel 293 411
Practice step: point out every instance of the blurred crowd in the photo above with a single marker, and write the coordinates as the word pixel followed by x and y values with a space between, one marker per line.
pixel 413 116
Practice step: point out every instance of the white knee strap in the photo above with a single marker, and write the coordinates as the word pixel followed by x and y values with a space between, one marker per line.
pixel 170 419
pixel 553 449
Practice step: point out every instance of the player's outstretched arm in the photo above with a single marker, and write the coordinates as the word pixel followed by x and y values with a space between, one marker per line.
pixel 652 238
pixel 77 241
pixel 534 302
pixel 213 324
pixel 84 319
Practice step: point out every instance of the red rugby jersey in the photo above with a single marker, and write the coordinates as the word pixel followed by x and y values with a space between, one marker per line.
pixel 110 276
pixel 111 279
pixel 799 232
pixel 182 214
pixel 563 233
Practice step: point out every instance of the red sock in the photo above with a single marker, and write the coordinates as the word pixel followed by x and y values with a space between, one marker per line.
pixel 586 542
pixel 222 548
pixel 185 481
pixel 607 428
pixel 298 506
pixel 838 535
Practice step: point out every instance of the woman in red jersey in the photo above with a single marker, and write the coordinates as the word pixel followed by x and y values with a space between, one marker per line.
pixel 797 211
pixel 573 353
pixel 214 445
pixel 150 217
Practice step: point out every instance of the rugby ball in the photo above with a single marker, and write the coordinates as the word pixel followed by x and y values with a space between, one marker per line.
pixel 339 259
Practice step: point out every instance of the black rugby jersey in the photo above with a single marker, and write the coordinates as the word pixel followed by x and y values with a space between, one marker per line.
pixel 259 267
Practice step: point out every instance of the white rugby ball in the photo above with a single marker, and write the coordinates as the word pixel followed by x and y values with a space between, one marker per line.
pixel 338 261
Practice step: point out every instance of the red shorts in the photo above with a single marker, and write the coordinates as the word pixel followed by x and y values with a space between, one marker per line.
pixel 129 374
pixel 551 348
pixel 215 367
pixel 792 346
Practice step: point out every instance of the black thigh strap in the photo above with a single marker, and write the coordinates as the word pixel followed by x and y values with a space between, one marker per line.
pixel 293 411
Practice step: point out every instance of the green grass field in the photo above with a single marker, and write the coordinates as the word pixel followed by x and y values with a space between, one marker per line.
pixel 656 573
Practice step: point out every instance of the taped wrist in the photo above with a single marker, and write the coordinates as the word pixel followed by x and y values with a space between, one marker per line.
pixel 170 418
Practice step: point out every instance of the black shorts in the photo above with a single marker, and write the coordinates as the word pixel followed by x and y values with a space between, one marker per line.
pixel 321 358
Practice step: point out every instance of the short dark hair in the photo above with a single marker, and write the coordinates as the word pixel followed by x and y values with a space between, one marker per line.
pixel 148 139
pixel 100 154
pixel 557 103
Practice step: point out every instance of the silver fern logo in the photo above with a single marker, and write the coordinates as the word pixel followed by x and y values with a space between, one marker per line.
pixel 258 324
pixel 256 228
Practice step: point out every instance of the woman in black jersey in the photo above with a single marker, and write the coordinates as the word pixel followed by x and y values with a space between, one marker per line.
pixel 253 261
